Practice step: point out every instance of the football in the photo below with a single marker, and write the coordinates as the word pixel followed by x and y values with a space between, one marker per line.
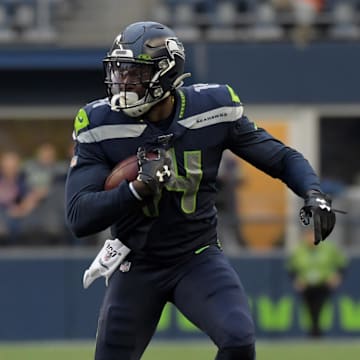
pixel 124 170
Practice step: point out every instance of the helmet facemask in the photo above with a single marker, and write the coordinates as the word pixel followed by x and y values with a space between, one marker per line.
pixel 128 85
pixel 135 85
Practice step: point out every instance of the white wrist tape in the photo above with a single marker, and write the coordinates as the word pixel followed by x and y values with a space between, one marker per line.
pixel 108 259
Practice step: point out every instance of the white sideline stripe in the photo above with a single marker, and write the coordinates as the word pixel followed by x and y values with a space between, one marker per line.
pixel 216 116
pixel 107 132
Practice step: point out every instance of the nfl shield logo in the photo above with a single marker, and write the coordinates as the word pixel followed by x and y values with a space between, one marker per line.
pixel 125 266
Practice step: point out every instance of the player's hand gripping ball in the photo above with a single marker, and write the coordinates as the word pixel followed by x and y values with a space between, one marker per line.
pixel 133 167
pixel 154 173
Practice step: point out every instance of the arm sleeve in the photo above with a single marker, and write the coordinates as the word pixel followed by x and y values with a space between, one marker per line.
pixel 271 156
pixel 90 209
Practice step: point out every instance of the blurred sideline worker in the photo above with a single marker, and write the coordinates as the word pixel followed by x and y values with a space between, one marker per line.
pixel 316 273
pixel 165 221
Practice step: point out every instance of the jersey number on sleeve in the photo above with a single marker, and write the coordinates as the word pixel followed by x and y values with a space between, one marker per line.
pixel 199 87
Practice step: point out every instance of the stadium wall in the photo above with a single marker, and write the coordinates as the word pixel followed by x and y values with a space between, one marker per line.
pixel 261 73
pixel 42 299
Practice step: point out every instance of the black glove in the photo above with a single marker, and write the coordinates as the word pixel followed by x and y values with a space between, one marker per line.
pixel 154 170
pixel 318 206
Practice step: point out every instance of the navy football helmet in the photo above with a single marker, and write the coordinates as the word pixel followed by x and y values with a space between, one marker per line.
pixel 144 65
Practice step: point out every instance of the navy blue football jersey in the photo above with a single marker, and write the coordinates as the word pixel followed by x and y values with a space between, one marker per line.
pixel 207 119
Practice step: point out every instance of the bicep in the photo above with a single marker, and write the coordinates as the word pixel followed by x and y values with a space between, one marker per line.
pixel 255 146
pixel 271 156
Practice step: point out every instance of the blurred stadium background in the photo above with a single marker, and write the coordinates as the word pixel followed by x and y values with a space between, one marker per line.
pixel 295 65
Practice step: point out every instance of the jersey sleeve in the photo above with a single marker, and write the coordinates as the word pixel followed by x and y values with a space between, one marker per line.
pixel 259 148
pixel 89 208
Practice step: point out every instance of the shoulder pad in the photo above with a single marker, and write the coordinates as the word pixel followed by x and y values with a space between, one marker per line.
pixel 211 104
pixel 91 115
pixel 223 94
pixel 81 122
pixel 96 122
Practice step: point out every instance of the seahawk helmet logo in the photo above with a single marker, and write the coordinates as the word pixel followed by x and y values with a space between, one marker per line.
pixel 175 47
pixel 117 41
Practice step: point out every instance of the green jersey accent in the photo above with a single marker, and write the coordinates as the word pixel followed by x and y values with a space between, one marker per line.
pixel 152 208
pixel 199 251
pixel 182 105
pixel 188 184
pixel 81 121
pixel 234 97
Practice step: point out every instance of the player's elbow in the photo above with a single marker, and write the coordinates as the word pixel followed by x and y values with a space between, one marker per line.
pixel 79 230
pixel 77 226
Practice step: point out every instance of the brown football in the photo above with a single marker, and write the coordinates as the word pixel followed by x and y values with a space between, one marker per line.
pixel 124 170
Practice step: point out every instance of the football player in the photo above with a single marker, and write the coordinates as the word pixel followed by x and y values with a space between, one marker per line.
pixel 166 217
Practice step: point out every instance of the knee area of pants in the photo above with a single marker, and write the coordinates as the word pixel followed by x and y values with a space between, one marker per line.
pixel 238 330
pixel 245 352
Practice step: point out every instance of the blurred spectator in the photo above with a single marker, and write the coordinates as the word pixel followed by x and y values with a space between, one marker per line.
pixel 43 171
pixel 345 22
pixel 305 13
pixel 316 272
pixel 32 199
pixel 16 201
pixel 45 175
pixel 24 17
pixel 282 6
pixel 266 26
pixel 229 224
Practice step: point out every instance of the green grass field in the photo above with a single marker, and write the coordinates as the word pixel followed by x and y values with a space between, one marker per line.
pixel 277 350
